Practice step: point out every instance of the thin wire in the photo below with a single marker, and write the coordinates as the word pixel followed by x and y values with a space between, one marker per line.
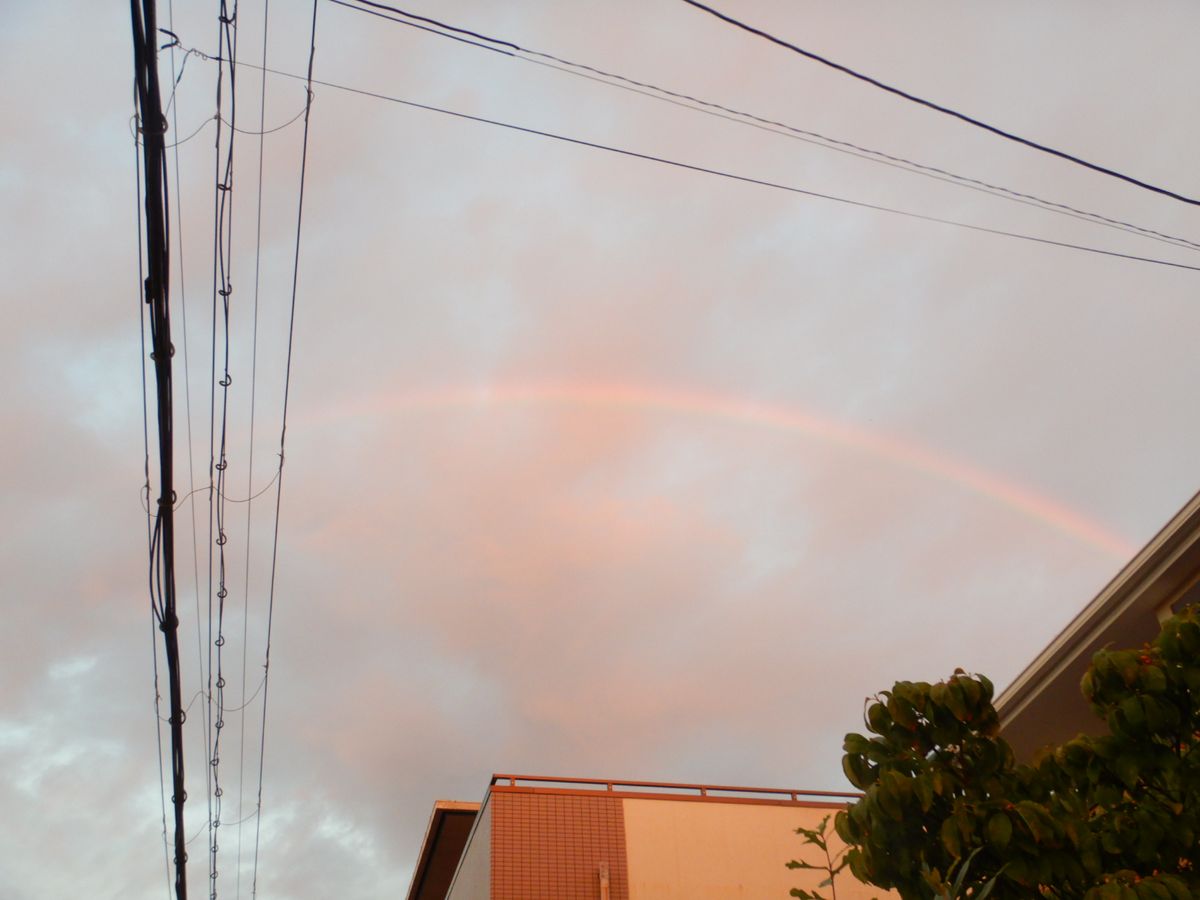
pixel 212 429
pixel 266 487
pixel 745 179
pixel 200 693
pixel 183 141
pixel 244 819
pixel 287 381
pixel 939 108
pixel 227 37
pixel 264 131
pixel 199 128
pixel 262 113
pixel 133 129
pixel 740 117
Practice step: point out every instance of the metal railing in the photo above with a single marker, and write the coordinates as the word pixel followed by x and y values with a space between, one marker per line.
pixel 667 788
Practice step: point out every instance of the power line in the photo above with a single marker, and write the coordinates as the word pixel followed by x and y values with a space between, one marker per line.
pixel 287 383
pixel 184 499
pixel 157 296
pixel 227 41
pixel 162 792
pixel 745 179
pixel 741 117
pixel 262 140
pixel 199 128
pixel 938 107
pixel 187 378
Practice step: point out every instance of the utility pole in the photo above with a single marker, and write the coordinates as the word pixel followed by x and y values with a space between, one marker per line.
pixel 162 562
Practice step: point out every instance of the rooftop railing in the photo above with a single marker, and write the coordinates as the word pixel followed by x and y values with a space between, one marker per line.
pixel 660 788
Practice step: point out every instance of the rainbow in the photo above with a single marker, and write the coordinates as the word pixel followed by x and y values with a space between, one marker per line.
pixel 895 450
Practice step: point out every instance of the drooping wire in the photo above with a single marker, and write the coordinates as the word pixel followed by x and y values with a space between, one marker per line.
pixel 204 488
pixel 200 693
pixel 937 107
pixel 745 179
pixel 223 288
pixel 263 130
pixel 287 381
pixel 741 117
pixel 154 618
pixel 199 128
pixel 262 114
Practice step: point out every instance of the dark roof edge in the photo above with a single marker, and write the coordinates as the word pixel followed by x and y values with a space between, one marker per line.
pixel 432 831
pixel 1164 569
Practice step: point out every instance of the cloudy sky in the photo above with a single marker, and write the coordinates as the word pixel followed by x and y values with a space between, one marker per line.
pixel 595 467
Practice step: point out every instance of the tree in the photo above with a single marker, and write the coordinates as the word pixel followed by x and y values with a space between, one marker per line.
pixel 833 866
pixel 946 807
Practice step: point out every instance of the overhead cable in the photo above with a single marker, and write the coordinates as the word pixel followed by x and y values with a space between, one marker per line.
pixel 157 297
pixel 262 140
pixel 187 377
pixel 970 120
pixel 162 791
pixel 227 42
pixel 287 382
pixel 745 179
pixel 688 101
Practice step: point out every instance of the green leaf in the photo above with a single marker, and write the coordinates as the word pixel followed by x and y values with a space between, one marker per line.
pixel 955 702
pixel 999 830
pixel 902 712
pixel 923 788
pixel 971 689
pixel 1125 767
pixel 1154 680
pixel 1189 637
pixel 856 743
pixel 878 718
pixel 1133 714
pixel 951 839
pixel 857 771
pixel 937 693
pixel 846 828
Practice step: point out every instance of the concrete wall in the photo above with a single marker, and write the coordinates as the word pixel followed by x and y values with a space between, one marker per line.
pixel 718 851
pixel 473 880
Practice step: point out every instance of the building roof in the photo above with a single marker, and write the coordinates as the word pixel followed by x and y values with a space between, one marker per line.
pixel 451 824
pixel 445 837
pixel 1043 704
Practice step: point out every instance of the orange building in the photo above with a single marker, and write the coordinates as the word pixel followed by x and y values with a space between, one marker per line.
pixel 539 838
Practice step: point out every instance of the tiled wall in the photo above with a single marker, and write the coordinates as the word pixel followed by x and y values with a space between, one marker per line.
pixel 551 846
